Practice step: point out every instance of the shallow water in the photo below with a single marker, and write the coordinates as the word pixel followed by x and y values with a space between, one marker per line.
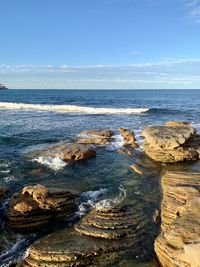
pixel 103 178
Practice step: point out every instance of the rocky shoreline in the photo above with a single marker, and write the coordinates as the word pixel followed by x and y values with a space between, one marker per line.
pixel 3 87
pixel 111 229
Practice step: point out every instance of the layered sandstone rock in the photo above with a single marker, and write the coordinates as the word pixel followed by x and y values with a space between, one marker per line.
pixel 179 242
pixel 68 152
pixel 97 137
pixel 171 143
pixel 177 123
pixel 36 206
pixel 101 238
pixel 128 137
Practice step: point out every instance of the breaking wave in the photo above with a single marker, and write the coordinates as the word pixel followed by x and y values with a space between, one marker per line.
pixel 53 163
pixel 110 203
pixel 71 108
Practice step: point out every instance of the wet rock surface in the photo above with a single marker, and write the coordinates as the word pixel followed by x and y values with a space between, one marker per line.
pixel 36 206
pixel 69 152
pixel 179 242
pixel 3 192
pixel 171 143
pixel 128 137
pixel 97 137
pixel 99 239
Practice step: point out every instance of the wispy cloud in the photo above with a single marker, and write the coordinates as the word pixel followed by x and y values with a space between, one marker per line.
pixel 166 73
pixel 194 9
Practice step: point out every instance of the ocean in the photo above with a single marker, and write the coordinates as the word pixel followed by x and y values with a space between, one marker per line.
pixel 32 119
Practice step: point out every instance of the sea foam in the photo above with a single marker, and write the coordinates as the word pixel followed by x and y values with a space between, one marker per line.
pixel 71 108
pixel 53 163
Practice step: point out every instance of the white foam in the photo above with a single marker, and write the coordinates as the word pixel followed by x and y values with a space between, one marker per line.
pixel 71 108
pixel 53 163
pixel 118 141
pixel 110 203
pixel 14 253
pixel 9 178
pixel 90 198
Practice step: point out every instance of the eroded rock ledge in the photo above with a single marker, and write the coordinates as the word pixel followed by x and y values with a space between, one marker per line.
pixel 36 206
pixel 171 143
pixel 179 242
pixel 101 238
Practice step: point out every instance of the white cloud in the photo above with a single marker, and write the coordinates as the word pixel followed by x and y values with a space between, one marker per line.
pixel 166 73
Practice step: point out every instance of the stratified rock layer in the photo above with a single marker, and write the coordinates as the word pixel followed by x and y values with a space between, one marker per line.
pixel 179 242
pixel 97 137
pixel 171 143
pixel 101 238
pixel 36 206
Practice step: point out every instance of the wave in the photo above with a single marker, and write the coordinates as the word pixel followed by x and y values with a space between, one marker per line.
pixel 71 108
pixel 53 163
pixel 118 141
pixel 110 203
pixel 88 200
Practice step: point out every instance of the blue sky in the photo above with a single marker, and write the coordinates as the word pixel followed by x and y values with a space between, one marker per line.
pixel 100 44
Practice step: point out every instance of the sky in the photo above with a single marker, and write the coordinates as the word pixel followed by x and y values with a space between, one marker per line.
pixel 100 44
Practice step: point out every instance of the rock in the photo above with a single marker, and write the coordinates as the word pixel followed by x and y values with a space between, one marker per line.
pixel 138 169
pixel 97 137
pixel 98 133
pixel 3 192
pixel 177 123
pixel 129 137
pixel 101 238
pixel 69 152
pixel 3 87
pixel 113 223
pixel 125 151
pixel 171 143
pixel 179 242
pixel 178 188
pixel 36 206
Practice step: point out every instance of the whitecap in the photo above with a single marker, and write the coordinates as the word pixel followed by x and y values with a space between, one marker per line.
pixel 14 253
pixel 117 142
pixel 53 163
pixel 9 178
pixel 71 108
pixel 89 200
pixel 110 203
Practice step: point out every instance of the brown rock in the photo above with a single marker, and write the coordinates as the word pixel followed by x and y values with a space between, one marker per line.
pixel 69 152
pixel 138 169
pixel 129 137
pixel 98 133
pixel 97 137
pixel 171 143
pixel 3 192
pixel 179 242
pixel 125 151
pixel 177 123
pixel 36 206
pixel 101 238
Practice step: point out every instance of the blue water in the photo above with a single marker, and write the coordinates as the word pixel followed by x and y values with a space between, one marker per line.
pixel 22 130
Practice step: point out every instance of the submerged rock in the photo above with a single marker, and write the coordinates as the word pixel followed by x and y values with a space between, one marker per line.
pixel 36 206
pixel 137 168
pixel 68 152
pixel 129 137
pixel 3 192
pixel 171 143
pixel 97 137
pixel 179 242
